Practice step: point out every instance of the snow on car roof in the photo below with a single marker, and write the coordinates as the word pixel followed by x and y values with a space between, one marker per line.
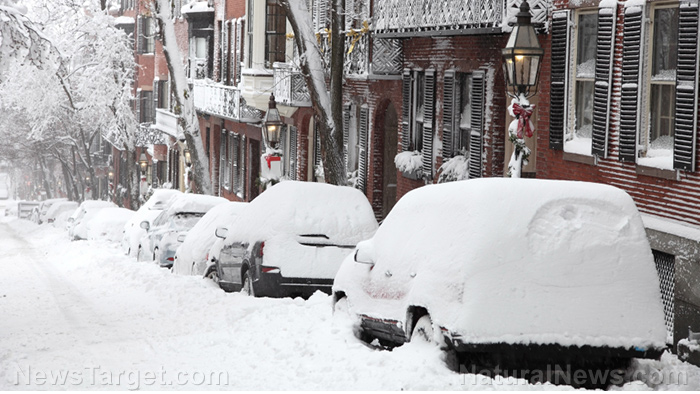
pixel 194 203
pixel 298 208
pixel 160 199
pixel 551 258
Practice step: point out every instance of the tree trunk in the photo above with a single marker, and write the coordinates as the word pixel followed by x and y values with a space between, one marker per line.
pixel 330 131
pixel 187 118
pixel 337 60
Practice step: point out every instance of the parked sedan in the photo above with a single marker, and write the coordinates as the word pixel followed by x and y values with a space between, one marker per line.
pixel 192 255
pixel 38 215
pixel 159 201
pixel 85 212
pixel 291 240
pixel 160 241
pixel 60 212
pixel 510 272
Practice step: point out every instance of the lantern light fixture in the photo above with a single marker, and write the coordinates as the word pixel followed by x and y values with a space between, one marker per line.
pixel 522 56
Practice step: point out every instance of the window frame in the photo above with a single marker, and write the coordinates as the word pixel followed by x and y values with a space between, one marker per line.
pixel 416 114
pixel 645 136
pixel 278 20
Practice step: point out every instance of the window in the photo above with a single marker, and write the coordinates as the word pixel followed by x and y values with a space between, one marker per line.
pixel 460 142
pixel 275 33
pixel 662 81
pixel 418 112
pixel 147 31
pixel 580 136
pixel 224 165
pixel 351 138
pixel 163 94
pixel 147 111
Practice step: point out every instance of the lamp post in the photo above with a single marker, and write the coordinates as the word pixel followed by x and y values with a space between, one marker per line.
pixel 143 162
pixel 188 157
pixel 522 57
pixel 272 124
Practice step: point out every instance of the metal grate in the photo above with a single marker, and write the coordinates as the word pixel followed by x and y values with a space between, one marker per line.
pixel 665 267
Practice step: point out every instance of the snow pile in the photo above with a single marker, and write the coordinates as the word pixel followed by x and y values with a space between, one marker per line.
pixel 190 258
pixel 85 213
pixel 153 330
pixel 454 169
pixel 59 212
pixel 408 161
pixel 108 224
pixel 194 203
pixel 159 200
pixel 520 260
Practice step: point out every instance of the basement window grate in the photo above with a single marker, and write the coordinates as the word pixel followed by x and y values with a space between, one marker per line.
pixel 665 267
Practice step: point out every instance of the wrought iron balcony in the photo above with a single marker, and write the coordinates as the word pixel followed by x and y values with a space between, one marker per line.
pixel 289 86
pixel 218 100
pixel 357 54
pixel 148 135
pixel 399 18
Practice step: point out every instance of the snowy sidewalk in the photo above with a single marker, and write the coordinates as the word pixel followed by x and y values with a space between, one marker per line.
pixel 77 315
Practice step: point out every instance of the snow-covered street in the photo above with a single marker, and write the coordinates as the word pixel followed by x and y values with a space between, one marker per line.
pixel 83 315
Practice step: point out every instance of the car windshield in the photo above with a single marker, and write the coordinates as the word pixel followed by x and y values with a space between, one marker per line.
pixel 185 220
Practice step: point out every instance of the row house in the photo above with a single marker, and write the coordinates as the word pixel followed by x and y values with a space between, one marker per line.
pixel 623 111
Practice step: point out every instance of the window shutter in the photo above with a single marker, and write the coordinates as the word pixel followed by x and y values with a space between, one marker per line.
pixel 242 167
pixel 139 34
pixel 139 94
pixel 322 16
pixel 629 103
pixel 448 114
pixel 239 49
pixel 686 88
pixel 317 147
pixel 293 153
pixel 558 89
pixel 406 111
pixel 222 161
pixel 364 131
pixel 605 49
pixel 477 124
pixel 156 88
pixel 224 52
pixel 428 116
pixel 236 162
pixel 346 133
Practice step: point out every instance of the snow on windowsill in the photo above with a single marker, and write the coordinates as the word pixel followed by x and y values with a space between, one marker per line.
pixel 671 226
pixel 657 158
pixel 579 146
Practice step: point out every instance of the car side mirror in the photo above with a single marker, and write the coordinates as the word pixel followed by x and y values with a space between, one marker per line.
pixel 145 225
pixel 221 232
pixel 364 253
pixel 71 220
pixel 181 238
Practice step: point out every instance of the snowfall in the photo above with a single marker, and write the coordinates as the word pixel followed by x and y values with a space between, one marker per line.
pixel 82 315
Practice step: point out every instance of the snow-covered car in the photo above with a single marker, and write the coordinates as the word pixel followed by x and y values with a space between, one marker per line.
pixel 192 255
pixel 59 213
pixel 25 209
pixel 85 212
pixel 159 200
pixel 38 215
pixel 161 239
pixel 108 224
pixel 291 240
pixel 510 270
pixel 9 207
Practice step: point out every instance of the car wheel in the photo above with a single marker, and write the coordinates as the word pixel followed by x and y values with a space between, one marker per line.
pixel 248 285
pixel 423 331
pixel 213 274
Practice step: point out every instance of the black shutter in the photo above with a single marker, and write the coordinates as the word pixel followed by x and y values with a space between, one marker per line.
pixel 558 89
pixel 629 102
pixel 686 88
pixel 477 124
pixel 139 34
pixel 242 167
pixel 346 134
pixel 605 49
pixel 428 117
pixel 362 165
pixel 406 111
pixel 317 147
pixel 448 113
pixel 236 162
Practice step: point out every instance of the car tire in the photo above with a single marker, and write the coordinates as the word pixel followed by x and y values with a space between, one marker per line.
pixel 213 274
pixel 247 288
pixel 423 330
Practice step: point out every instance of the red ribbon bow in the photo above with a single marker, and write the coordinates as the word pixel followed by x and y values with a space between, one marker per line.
pixel 523 116
pixel 269 159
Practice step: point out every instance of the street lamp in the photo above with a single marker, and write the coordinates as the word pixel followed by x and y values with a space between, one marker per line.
pixel 110 174
pixel 522 55
pixel 188 158
pixel 272 123
pixel 521 66
pixel 143 162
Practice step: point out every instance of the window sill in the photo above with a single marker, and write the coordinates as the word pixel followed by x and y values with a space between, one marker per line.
pixel 654 172
pixel 578 158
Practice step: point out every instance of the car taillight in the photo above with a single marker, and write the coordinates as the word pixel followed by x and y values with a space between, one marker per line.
pixel 270 270
pixel 170 259
pixel 262 246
